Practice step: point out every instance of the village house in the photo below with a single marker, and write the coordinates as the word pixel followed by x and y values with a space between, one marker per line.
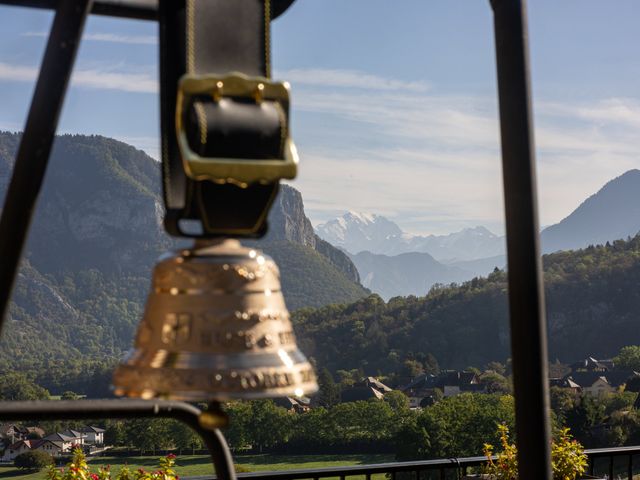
pixel 594 377
pixel 590 364
pixel 294 405
pixel 93 435
pixel 56 444
pixel 10 433
pixel 16 448
pixel 67 439
pixel 422 390
pixel 53 448
pixel 368 388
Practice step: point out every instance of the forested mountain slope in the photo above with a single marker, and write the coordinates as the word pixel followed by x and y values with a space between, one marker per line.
pixel 593 304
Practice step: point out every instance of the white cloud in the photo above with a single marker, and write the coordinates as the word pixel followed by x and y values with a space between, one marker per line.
pixel 430 161
pixel 440 155
pixel 107 37
pixel 93 78
pixel 348 79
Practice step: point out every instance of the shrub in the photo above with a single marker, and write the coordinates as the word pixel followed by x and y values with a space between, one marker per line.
pixel 78 469
pixel 568 459
pixel 33 460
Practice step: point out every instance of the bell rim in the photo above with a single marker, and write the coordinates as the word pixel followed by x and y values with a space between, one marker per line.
pixel 198 396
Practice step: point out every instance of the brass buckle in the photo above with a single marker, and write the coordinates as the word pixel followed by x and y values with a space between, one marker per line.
pixel 239 171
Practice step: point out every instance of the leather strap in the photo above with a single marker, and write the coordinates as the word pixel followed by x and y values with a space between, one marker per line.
pixel 217 37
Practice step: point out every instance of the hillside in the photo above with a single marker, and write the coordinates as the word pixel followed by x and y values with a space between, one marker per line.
pixel 97 233
pixel 593 304
pixel 610 214
pixel 405 274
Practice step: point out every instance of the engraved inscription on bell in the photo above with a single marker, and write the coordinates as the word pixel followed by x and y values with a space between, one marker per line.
pixel 176 329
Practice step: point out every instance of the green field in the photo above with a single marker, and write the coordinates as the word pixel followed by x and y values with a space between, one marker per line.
pixel 188 465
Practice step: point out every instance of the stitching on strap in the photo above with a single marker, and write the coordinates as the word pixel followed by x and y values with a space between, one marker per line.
pixel 267 38
pixel 202 121
pixel 191 61
pixel 283 125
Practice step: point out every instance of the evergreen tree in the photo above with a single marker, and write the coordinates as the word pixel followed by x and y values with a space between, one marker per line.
pixel 329 394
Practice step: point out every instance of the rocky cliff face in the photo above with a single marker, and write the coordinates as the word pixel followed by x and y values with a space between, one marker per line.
pixel 288 222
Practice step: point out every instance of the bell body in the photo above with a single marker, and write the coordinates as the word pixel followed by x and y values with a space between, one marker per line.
pixel 215 327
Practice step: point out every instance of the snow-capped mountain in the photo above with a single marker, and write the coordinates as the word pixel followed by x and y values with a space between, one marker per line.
pixel 356 232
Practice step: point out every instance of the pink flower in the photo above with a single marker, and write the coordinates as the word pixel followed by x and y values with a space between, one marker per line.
pixel 94 476
pixel 171 456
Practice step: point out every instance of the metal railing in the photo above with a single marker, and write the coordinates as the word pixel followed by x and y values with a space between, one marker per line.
pixel 602 463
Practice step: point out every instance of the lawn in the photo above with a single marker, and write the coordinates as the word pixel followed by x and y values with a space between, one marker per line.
pixel 188 465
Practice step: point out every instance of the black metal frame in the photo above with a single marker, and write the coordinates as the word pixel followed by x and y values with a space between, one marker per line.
pixel 441 469
pixel 528 328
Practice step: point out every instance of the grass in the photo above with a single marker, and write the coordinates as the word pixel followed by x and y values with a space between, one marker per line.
pixel 192 465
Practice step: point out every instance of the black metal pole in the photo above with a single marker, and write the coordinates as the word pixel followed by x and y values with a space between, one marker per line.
pixel 526 294
pixel 97 409
pixel 33 154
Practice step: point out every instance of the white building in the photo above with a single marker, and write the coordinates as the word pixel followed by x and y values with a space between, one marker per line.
pixel 94 435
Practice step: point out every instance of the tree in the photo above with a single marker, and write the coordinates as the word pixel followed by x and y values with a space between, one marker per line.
pixel 269 425
pixel 237 433
pixel 397 400
pixel 115 433
pixel 69 395
pixel 459 426
pixel 497 367
pixel 329 394
pixel 17 386
pixel 148 434
pixel 183 436
pixel 562 400
pixel 412 443
pixel 495 383
pixel 628 358
pixel 412 368
pixel 587 413
pixel 633 385
pixel 34 460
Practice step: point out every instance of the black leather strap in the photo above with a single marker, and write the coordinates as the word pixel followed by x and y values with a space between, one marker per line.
pixel 206 37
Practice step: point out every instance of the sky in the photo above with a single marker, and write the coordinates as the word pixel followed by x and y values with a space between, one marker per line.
pixel 394 103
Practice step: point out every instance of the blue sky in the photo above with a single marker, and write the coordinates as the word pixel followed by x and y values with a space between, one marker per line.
pixel 395 108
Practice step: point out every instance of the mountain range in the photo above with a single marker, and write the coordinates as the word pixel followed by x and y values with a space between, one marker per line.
pixel 374 242
pixel 357 232
pixel 97 232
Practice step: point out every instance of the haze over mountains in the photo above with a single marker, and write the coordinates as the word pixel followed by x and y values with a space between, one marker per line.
pixel 392 262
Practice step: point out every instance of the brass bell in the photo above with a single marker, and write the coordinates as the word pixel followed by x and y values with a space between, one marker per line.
pixel 215 327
